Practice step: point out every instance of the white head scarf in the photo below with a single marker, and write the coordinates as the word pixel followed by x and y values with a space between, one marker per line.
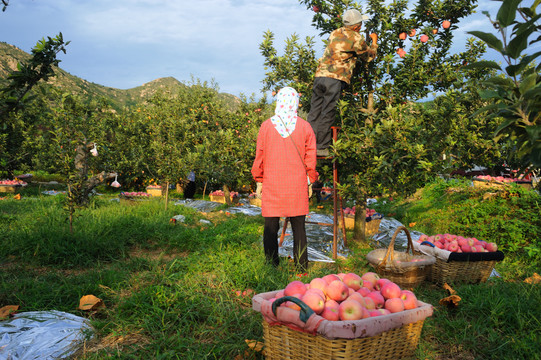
pixel 285 118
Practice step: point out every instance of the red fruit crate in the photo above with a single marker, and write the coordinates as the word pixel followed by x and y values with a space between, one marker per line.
pixel 291 334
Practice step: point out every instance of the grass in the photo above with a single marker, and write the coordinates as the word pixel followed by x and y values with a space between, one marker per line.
pixel 170 290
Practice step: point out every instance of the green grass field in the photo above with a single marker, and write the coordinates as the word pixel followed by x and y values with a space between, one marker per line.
pixel 169 290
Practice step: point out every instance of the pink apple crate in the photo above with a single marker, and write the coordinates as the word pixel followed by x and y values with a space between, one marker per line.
pixel 406 269
pixel 389 337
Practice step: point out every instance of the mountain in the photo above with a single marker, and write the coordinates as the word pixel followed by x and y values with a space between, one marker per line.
pixel 11 55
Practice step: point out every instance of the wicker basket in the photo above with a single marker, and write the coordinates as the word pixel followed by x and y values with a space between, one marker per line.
pixel 9 188
pixel 486 184
pixel 221 198
pixel 394 336
pixel 471 272
pixel 371 227
pixel 405 269
pixel 255 202
pixel 281 342
pixel 153 191
pixel 452 267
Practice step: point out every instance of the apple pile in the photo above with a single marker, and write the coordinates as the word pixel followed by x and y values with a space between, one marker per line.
pixel 351 211
pixel 221 193
pixel 134 194
pixel 154 187
pixel 497 178
pixel 459 244
pixel 16 182
pixel 349 296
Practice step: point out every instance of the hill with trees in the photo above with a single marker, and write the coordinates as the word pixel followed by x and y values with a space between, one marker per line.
pixel 11 55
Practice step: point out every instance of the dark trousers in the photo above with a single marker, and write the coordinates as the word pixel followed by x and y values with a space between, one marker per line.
pixel 189 191
pixel 300 246
pixel 325 95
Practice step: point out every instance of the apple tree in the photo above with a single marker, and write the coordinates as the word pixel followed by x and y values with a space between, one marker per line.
pixel 387 142
pixel 15 96
pixel 76 129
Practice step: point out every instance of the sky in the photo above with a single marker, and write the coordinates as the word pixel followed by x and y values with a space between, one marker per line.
pixel 126 43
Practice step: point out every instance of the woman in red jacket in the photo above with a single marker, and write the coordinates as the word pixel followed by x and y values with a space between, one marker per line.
pixel 284 166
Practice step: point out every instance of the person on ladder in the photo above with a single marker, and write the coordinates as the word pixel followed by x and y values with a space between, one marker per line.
pixel 284 167
pixel 334 73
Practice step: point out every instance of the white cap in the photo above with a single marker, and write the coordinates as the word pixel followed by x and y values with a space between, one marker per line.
pixel 353 17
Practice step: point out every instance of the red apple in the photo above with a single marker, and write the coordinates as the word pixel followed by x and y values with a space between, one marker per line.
pixel 369 285
pixel 314 302
pixel 330 278
pixel 394 305
pixel 390 290
pixel 461 240
pixel 453 246
pixel 337 290
pixel 424 38
pixel 353 281
pixel 409 299
pixel 317 291
pixel 370 304
pixel 479 248
pixel 380 283
pixel 319 283
pixel 378 312
pixel 412 32
pixel 434 31
pixel 330 311
pixel 315 8
pixel 491 247
pixel 350 310
pixel 446 24
pixel 379 300
pixel 357 297
pixel 465 248
pixel 364 291
pixel 402 36
pixel 295 287
pixel 371 277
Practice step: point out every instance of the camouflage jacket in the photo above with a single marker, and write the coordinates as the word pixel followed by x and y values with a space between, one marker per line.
pixel 343 49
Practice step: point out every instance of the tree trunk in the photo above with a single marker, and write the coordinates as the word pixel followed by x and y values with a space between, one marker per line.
pixel 204 189
pixel 359 229
pixel 166 195
pixel 370 107
pixel 227 195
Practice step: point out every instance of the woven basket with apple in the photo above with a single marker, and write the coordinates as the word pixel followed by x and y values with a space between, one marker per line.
pixel 408 269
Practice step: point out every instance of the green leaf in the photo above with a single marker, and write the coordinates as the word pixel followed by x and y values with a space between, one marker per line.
pixel 492 108
pixel 484 64
pixel 527 83
pixel 513 70
pixel 488 94
pixel 506 14
pixel 504 126
pixel 498 80
pixel 519 43
pixel 532 93
pixel 491 40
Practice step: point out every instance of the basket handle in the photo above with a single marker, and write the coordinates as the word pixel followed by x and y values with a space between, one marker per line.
pixel 306 312
pixel 390 249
